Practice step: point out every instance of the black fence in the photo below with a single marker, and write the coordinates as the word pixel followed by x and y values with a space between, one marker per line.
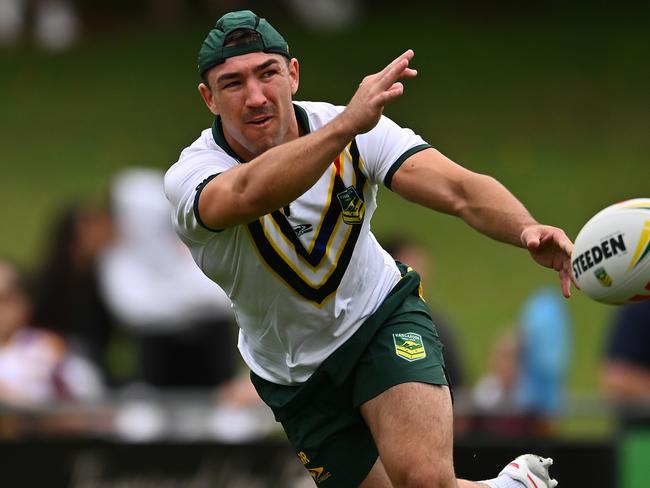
pixel 269 464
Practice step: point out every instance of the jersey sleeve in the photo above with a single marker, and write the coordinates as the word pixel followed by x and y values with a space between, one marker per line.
pixel 183 184
pixel 386 147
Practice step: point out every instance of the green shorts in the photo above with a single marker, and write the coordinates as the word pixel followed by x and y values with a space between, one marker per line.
pixel 321 417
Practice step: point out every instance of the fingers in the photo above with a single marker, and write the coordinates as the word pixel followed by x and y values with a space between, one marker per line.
pixel 530 238
pixel 397 69
pixel 550 247
pixel 403 60
pixel 393 92
pixel 574 281
pixel 563 242
pixel 545 235
pixel 565 283
pixel 533 243
pixel 367 104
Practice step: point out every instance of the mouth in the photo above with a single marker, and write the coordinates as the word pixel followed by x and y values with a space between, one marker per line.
pixel 260 121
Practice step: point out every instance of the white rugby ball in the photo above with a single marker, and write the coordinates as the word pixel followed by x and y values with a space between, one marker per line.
pixel 611 254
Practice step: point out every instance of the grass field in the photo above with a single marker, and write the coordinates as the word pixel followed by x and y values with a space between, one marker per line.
pixel 554 105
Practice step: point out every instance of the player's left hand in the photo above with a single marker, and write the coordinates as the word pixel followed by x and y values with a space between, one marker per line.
pixel 550 247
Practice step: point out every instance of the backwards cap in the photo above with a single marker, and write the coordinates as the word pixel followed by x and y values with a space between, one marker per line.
pixel 213 51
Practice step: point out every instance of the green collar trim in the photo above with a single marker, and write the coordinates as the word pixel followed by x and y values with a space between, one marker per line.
pixel 220 139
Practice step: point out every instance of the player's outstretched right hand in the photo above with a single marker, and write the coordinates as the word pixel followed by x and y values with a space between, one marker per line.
pixel 367 104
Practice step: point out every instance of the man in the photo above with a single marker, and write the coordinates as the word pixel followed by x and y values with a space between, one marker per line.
pixel 626 372
pixel 275 203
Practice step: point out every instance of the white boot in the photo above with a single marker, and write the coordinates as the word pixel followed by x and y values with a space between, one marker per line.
pixel 531 471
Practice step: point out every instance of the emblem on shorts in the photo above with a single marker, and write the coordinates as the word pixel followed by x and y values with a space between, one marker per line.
pixel 352 205
pixel 409 346
pixel 318 474
pixel 603 277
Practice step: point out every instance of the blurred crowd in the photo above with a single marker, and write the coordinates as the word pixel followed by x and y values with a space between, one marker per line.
pixel 116 303
pixel 57 25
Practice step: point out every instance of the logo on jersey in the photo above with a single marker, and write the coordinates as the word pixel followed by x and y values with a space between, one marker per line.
pixel 352 206
pixel 301 229
pixel 602 277
pixel 316 268
pixel 409 346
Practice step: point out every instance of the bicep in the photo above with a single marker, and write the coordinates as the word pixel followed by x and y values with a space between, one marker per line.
pixel 220 203
pixel 433 180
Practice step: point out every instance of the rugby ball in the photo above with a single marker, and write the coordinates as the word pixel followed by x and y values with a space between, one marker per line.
pixel 611 254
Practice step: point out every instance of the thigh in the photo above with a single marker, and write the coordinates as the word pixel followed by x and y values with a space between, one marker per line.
pixel 332 440
pixel 405 349
pixel 412 427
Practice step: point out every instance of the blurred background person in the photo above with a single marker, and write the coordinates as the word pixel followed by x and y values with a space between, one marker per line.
pixel 182 321
pixel 524 387
pixel 67 297
pixel 326 15
pixel 55 24
pixel 626 365
pixel 169 12
pixel 625 373
pixel 497 412
pixel 323 15
pixel 35 365
pixel 545 330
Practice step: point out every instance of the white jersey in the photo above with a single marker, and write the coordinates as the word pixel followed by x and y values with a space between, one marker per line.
pixel 302 279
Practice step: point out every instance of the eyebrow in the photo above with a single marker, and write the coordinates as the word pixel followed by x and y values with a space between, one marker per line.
pixel 237 74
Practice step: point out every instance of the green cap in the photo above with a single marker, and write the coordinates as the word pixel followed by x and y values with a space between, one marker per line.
pixel 213 51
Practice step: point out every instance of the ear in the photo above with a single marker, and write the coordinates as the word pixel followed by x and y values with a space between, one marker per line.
pixel 294 75
pixel 208 98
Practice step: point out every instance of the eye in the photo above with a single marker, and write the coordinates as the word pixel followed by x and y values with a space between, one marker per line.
pixel 269 73
pixel 232 84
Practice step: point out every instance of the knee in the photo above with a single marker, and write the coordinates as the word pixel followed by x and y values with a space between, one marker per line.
pixel 426 477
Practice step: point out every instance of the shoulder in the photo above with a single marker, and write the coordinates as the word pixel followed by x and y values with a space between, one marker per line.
pixel 318 113
pixel 204 157
pixel 205 144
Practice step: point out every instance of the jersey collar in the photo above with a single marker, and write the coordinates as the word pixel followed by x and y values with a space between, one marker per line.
pixel 220 139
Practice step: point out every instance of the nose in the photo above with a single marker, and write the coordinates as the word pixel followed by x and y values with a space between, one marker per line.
pixel 255 96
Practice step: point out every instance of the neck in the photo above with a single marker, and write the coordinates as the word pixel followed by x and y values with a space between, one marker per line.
pixel 293 132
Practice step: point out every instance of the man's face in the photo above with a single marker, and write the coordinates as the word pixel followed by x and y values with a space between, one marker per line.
pixel 252 93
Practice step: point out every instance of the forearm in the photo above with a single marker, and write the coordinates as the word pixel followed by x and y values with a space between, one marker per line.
pixel 283 173
pixel 490 208
pixel 433 180
pixel 275 178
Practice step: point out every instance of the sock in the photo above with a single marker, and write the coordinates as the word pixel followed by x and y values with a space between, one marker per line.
pixel 503 481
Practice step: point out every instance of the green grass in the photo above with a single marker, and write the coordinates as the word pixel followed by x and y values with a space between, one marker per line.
pixel 554 106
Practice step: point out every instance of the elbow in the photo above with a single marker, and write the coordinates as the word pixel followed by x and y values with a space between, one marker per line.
pixel 220 209
pixel 469 194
